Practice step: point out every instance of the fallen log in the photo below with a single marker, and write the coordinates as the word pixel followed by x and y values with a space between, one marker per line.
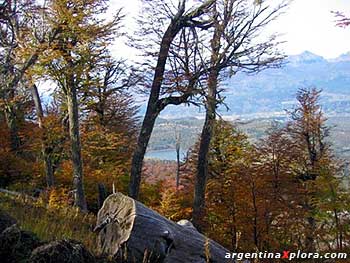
pixel 17 194
pixel 131 232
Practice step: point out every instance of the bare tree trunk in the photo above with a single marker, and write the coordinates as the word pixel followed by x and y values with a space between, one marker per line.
pixel 202 171
pixel 45 149
pixel 152 109
pixel 11 119
pixel 177 146
pixel 49 169
pixel 202 164
pixel 139 153
pixel 155 103
pixel 74 134
pixel 10 110
pixel 255 227
pixel 177 168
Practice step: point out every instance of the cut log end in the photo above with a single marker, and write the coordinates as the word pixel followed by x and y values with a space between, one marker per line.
pixel 131 231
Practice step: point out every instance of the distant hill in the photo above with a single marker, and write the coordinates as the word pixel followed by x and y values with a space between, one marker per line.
pixel 273 90
pixel 162 143
pixel 256 100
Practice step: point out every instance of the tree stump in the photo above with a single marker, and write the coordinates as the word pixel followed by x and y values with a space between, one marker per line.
pixel 131 232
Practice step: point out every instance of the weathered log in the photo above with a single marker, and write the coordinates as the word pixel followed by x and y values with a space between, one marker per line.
pixel 131 232
pixel 17 194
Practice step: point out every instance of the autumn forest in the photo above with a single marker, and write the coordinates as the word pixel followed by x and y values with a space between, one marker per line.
pixel 63 154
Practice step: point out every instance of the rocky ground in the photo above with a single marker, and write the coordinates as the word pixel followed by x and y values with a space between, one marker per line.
pixel 21 246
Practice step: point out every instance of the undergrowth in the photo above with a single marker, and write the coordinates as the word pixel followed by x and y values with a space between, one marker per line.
pixel 50 223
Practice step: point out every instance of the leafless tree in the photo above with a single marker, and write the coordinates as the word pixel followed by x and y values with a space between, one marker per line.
pixel 341 19
pixel 169 83
pixel 235 45
pixel 108 99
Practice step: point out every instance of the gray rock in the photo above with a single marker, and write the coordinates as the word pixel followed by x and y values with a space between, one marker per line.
pixel 61 251
pixel 16 245
pixel 6 221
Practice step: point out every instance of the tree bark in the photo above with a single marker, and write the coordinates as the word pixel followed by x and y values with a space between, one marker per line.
pixel 45 149
pixel 74 134
pixel 10 110
pixel 139 153
pixel 202 171
pixel 155 103
pixel 202 164
pixel 177 165
pixel 153 108
pixel 11 119
pixel 131 232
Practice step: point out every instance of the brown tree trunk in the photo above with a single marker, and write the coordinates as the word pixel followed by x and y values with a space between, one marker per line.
pixel 74 134
pixel 45 149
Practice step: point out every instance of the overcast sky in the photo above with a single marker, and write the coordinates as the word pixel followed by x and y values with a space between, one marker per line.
pixel 307 25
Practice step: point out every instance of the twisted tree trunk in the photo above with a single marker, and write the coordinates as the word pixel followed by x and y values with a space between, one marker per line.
pixel 156 104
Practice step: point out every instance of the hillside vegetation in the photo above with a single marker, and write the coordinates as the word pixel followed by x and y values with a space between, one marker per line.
pixel 271 180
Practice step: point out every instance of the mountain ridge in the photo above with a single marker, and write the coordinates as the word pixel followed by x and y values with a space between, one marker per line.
pixel 274 90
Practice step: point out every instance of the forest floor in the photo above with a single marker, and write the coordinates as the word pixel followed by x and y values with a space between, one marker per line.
pixel 51 223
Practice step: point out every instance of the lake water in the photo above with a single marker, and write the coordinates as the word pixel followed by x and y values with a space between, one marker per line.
pixel 169 154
